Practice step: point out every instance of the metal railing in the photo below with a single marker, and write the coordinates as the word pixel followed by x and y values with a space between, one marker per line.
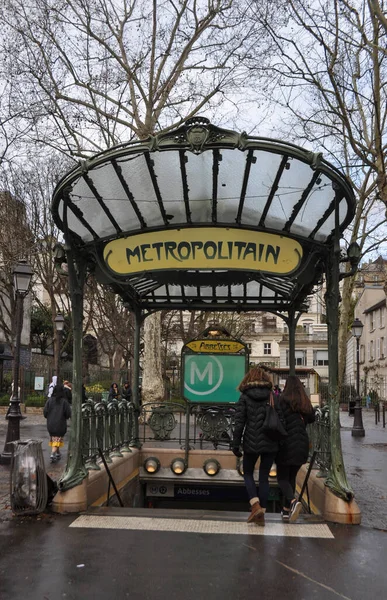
pixel 188 426
pixel 319 438
pixel 108 426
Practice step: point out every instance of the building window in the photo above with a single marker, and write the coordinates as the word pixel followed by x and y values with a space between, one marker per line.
pixel 378 348
pixel 372 321
pixel 250 327
pixel 267 348
pixel 361 353
pixel 383 316
pixel 382 348
pixel 372 354
pixel 320 358
pixel 300 356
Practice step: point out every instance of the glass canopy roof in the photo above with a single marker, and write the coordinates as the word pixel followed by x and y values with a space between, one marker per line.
pixel 202 217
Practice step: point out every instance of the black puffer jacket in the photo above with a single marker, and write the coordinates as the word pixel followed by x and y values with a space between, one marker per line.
pixel 57 411
pixel 249 417
pixel 294 449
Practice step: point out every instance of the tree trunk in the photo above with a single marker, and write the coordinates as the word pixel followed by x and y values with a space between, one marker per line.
pixel 152 379
pixel 117 363
pixel 345 316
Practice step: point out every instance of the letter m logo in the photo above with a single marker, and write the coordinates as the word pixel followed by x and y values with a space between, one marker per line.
pixel 208 371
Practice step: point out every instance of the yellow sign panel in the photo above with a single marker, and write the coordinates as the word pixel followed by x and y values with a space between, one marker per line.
pixel 203 248
pixel 214 346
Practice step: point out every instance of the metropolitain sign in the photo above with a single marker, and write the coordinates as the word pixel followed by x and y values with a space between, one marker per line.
pixel 203 248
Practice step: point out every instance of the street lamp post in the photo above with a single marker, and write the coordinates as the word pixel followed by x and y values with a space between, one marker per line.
pixel 22 275
pixel 358 428
pixel 59 326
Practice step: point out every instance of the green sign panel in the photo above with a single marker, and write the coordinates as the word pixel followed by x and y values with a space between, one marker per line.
pixel 212 379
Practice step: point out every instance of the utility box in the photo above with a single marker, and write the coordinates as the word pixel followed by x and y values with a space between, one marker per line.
pixel 28 478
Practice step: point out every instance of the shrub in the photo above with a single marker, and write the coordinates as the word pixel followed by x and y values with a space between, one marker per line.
pixel 35 400
pixel 4 400
pixel 97 388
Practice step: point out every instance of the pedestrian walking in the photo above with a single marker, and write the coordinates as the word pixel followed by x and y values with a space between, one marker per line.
pixel 297 412
pixel 248 430
pixel 52 386
pixel 114 392
pixel 57 411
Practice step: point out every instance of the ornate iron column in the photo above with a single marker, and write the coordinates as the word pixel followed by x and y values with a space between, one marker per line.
pixel 75 470
pixel 292 324
pixel 337 479
pixel 138 319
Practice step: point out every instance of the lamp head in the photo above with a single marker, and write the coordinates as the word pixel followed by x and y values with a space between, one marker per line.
pixel 22 275
pixel 357 328
pixel 59 322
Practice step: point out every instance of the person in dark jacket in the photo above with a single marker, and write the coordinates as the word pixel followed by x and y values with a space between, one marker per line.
pixel 114 392
pixel 249 418
pixel 68 391
pixel 126 392
pixel 84 394
pixel 297 412
pixel 57 410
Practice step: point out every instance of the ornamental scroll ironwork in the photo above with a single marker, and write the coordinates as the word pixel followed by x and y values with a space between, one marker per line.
pixel 216 424
pixel 196 134
pixel 162 421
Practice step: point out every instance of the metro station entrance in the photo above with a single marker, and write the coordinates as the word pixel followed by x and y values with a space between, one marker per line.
pixel 200 218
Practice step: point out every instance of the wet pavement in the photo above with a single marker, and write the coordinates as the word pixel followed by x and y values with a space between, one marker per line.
pixel 365 460
pixel 118 553
pixel 49 560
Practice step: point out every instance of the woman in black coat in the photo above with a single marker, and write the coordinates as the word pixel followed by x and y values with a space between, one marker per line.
pixel 249 418
pixel 297 412
pixel 114 392
pixel 57 410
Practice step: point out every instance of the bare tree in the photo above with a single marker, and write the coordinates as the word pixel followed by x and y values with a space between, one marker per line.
pixel 330 80
pixel 33 185
pixel 15 244
pixel 89 74
pixel 111 323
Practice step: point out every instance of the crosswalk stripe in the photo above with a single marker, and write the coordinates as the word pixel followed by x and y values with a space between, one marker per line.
pixel 300 530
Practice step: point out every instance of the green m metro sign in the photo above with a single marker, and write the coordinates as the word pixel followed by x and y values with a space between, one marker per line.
pixel 212 378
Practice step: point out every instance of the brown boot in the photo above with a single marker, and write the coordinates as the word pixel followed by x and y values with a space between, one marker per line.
pixel 257 514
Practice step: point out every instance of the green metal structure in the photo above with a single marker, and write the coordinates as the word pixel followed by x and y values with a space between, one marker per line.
pixel 204 218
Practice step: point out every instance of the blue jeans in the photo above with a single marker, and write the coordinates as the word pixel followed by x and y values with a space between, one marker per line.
pixel 249 461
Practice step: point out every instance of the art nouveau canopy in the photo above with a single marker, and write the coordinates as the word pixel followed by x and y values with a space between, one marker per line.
pixel 205 218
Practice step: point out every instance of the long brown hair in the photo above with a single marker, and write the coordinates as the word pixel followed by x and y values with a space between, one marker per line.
pixel 256 375
pixel 294 394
